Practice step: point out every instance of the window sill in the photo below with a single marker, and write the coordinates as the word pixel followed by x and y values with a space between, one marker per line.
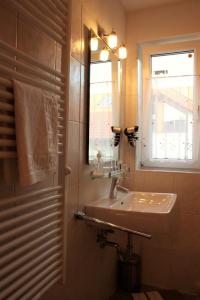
pixel 167 170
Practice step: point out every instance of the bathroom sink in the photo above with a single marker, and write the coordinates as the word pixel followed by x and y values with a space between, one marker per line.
pixel 143 211
pixel 143 202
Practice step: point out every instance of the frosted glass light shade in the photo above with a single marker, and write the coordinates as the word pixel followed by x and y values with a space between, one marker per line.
pixel 112 40
pixel 94 44
pixel 104 54
pixel 122 52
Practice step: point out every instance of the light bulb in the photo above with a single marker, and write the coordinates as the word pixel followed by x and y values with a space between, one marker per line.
pixel 122 52
pixel 112 40
pixel 104 54
pixel 94 43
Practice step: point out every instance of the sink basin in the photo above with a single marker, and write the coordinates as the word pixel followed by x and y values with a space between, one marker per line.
pixel 157 203
pixel 143 202
pixel 143 211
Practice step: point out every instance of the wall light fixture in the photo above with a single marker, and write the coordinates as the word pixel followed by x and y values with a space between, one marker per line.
pixel 122 52
pixel 104 54
pixel 112 40
pixel 94 43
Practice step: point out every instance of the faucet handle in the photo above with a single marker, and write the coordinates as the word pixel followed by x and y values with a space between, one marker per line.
pixel 122 189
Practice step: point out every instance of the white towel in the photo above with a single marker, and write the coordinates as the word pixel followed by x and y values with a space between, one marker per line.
pixel 36 117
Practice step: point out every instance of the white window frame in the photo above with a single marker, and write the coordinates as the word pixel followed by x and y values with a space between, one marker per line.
pixel 143 158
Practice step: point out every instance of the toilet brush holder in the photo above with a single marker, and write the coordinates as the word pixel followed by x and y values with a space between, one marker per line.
pixel 129 274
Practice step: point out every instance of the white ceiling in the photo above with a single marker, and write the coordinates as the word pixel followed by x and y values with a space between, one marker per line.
pixel 132 5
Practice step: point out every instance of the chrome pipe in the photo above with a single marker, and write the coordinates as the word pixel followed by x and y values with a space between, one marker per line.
pixel 82 216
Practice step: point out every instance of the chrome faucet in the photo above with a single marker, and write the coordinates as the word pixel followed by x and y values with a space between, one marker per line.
pixel 114 187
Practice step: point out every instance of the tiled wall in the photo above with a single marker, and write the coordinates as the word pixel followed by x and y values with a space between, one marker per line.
pixel 170 259
pixel 91 271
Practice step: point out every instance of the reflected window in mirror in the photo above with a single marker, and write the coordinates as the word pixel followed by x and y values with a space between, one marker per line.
pixel 101 109
pixel 104 106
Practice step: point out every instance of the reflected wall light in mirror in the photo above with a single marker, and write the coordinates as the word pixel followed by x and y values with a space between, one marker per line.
pixel 94 43
pixel 110 41
pixel 104 54
pixel 122 52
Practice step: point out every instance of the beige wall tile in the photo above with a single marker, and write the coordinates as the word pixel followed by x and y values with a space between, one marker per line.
pixel 158 182
pixel 156 269
pixel 138 180
pixel 87 264
pixel 76 29
pixel 159 240
pixel 187 182
pixel 74 90
pixel 85 44
pixel 72 192
pixel 84 101
pixel 189 202
pixel 185 270
pixel 73 152
pixel 131 106
pixel 185 232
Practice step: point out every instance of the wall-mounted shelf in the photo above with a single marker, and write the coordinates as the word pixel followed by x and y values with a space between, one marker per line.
pixel 110 174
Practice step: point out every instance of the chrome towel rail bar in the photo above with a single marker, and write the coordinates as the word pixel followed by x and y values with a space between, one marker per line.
pixel 82 216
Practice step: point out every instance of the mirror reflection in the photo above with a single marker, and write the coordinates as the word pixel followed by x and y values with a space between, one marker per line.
pixel 104 100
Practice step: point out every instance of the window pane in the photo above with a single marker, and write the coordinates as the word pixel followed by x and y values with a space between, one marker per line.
pixel 172 97
pixel 101 72
pixel 173 64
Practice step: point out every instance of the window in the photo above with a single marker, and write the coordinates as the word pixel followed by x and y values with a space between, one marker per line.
pixel 170 110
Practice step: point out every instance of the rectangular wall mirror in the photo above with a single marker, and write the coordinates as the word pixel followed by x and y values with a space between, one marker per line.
pixel 104 100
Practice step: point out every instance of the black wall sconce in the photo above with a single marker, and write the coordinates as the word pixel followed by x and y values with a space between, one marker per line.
pixel 131 133
pixel 117 135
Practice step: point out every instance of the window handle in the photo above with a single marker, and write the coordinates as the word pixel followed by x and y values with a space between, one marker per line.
pixel 198 112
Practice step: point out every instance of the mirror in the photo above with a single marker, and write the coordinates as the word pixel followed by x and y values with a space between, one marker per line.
pixel 104 100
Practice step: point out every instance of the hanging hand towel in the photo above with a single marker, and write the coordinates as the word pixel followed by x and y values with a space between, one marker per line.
pixel 36 117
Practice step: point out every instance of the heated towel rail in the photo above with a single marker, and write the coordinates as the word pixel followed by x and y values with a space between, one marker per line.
pixel 32 221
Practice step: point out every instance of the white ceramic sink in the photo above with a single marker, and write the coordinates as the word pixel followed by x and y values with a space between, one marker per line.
pixel 143 202
pixel 157 203
pixel 142 211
